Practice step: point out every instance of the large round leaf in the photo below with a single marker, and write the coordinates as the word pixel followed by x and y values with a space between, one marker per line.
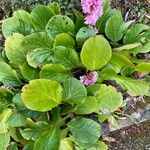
pixel 37 40
pixel 64 39
pixel 8 75
pixel 85 130
pixel 39 57
pixel 13 49
pixel 109 99
pixel 40 16
pixel 89 106
pixel 54 72
pixel 15 25
pixel 48 141
pixel 67 57
pixel 74 91
pixel 59 24
pixel 96 52
pixel 83 34
pixel 42 94
pixel 114 28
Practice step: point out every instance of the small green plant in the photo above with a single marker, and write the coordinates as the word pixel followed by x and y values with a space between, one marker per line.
pixel 53 72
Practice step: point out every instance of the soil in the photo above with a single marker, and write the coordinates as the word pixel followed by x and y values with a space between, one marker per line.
pixel 135 137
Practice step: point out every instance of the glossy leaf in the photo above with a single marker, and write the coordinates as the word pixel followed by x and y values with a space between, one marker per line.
pixel 127 47
pixel 133 34
pixel 42 94
pixel 66 56
pixel 17 120
pixel 37 40
pixel 74 91
pixel 119 61
pixel 14 25
pixel 114 29
pixel 66 144
pixel 89 106
pixel 39 57
pixel 83 34
pixel 13 49
pixel 35 131
pixel 29 72
pixel 134 87
pixel 54 72
pixel 64 39
pixel 48 141
pixel 143 67
pixel 5 98
pixel 8 76
pixel 95 53
pixel 109 99
pixel 40 16
pixel 60 24
pixel 85 130
pixel 55 7
pixel 4 142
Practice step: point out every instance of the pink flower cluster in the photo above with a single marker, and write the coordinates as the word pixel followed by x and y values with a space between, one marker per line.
pixel 93 10
pixel 89 79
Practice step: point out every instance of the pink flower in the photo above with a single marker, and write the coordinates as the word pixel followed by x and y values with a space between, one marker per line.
pixel 93 10
pixel 89 79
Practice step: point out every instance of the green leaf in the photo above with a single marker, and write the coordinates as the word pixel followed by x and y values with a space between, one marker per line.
pixel 29 72
pixel 5 114
pixel 22 109
pixel 29 146
pixel 48 141
pixel 60 24
pixel 145 48
pixel 36 40
pixel 133 34
pixel 79 20
pixel 3 128
pixel 66 144
pixel 24 17
pixel 83 34
pixel 13 49
pixel 85 130
pixel 40 16
pixel 95 53
pixel 109 99
pixel 74 91
pixel 89 106
pixel 107 13
pixel 64 39
pixel 127 47
pixel 134 87
pixel 55 7
pixel 99 146
pixel 42 94
pixel 8 76
pixel 39 57
pixel 14 25
pixel 66 56
pixel 114 29
pixel 113 121
pixel 13 146
pixel 16 120
pixel 143 67
pixel 4 142
pixel 35 131
pixel 118 61
pixel 5 98
pixel 54 72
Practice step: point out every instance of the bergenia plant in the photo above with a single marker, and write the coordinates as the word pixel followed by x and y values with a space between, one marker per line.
pixel 53 73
